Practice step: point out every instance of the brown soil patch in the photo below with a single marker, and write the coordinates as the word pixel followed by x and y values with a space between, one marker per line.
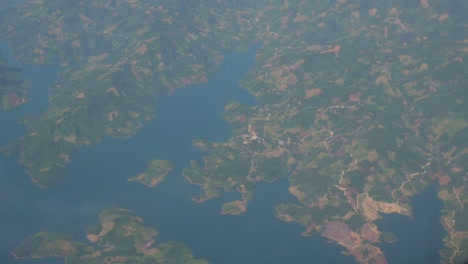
pixel 348 215
pixel 75 43
pixel 424 3
pixel 444 179
pixel 106 227
pixel 241 118
pixel 443 17
pixel 296 65
pixel 371 208
pixel 285 217
pixel 313 92
pixel 405 59
pixel 423 67
pixel 38 51
pixel 142 50
pixel 85 18
pixel 151 251
pixel 93 238
pixel 291 79
pixel 81 95
pixel 363 252
pixel 65 246
pixel 355 97
pixel 133 114
pixel 370 232
pixel 155 181
pixel 459 190
pixel 97 58
pixel 274 153
pixel 113 90
pixel 444 195
pixel 71 138
pixel 368 253
pixel 342 234
pixel 65 157
pixel 294 190
pixel 350 197
pixel 372 155
pixel 372 11
pixel 382 79
pixel 291 161
pixel 300 18
pixel 241 188
pixel 277 73
pixel 112 115
pixel 241 205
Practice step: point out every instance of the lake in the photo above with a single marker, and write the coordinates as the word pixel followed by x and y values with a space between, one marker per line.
pixel 98 179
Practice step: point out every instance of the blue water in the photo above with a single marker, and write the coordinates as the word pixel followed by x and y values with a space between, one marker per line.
pixel 98 179
pixel 18 208
pixel 419 237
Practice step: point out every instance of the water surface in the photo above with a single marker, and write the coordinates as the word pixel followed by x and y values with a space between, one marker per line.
pixel 420 238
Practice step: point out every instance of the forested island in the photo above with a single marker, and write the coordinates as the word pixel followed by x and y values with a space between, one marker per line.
pixel 156 172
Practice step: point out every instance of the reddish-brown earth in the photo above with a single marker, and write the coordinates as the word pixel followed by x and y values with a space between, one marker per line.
pixel 370 232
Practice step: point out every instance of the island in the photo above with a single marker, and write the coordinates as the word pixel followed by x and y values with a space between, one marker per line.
pixel 156 172
pixel 234 207
pixel 121 237
pixel 365 104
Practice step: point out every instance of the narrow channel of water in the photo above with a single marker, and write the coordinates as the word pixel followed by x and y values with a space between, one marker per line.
pixel 18 208
pixel 419 238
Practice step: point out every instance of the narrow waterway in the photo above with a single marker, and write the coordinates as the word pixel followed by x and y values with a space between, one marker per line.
pixel 419 238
